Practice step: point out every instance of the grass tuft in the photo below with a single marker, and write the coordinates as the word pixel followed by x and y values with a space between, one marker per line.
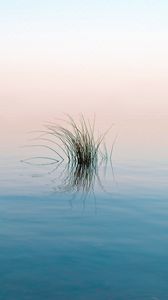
pixel 75 143
pixel 81 149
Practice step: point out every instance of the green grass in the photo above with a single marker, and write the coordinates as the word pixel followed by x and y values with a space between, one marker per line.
pixel 81 150
pixel 76 145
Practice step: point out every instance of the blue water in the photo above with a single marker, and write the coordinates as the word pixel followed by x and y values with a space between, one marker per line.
pixel 110 245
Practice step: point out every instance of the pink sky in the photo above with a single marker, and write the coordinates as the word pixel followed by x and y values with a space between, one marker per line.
pixel 108 59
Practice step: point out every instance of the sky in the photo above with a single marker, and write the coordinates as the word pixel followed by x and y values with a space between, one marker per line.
pixel 102 57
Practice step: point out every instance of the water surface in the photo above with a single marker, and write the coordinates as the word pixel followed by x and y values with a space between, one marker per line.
pixel 112 244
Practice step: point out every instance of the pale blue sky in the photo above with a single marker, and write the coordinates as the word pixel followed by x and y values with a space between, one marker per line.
pixel 111 55
pixel 124 15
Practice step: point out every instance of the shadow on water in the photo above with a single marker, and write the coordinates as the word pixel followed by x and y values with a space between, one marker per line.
pixel 75 153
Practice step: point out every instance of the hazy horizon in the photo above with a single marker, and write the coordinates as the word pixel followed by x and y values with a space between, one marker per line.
pixel 104 57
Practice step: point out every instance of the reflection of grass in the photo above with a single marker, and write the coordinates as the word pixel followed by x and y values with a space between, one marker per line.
pixel 75 144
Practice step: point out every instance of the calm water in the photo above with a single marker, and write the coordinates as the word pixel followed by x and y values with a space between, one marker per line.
pixel 111 245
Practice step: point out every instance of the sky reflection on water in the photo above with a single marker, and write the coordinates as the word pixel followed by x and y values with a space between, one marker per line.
pixel 113 245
